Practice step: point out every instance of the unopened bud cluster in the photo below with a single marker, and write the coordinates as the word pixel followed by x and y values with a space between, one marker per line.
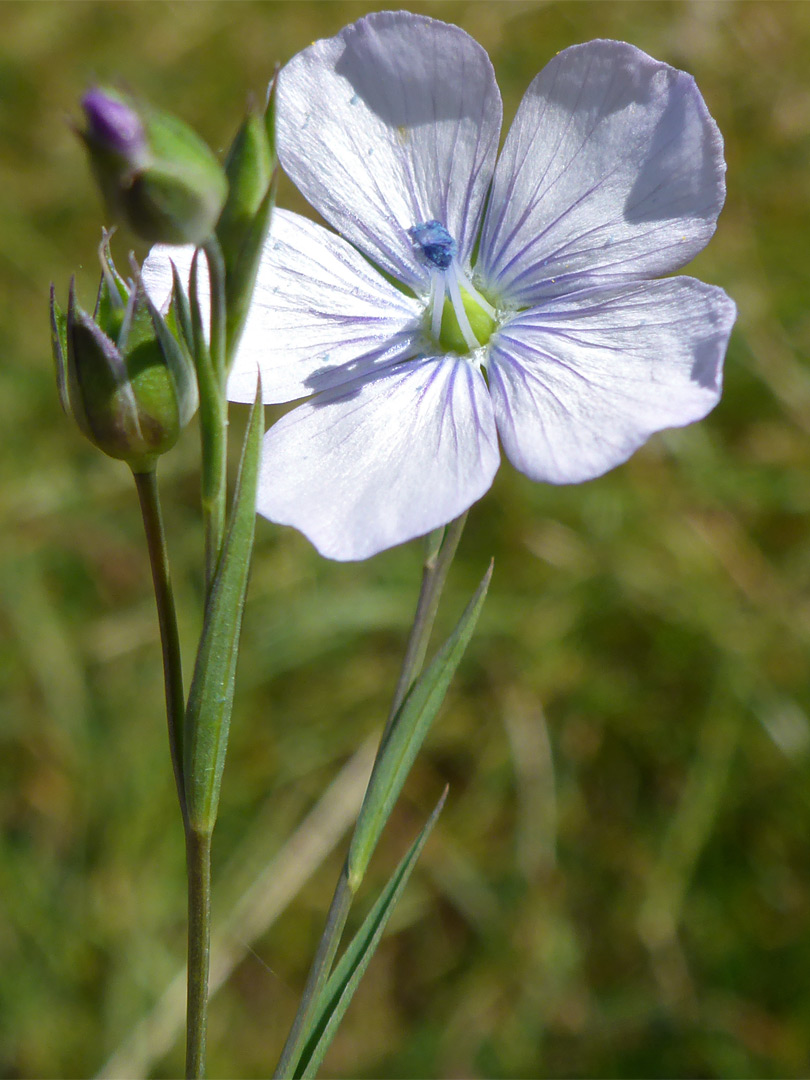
pixel 124 374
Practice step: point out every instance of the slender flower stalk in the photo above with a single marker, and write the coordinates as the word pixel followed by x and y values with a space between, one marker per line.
pixel 210 361
pixel 198 860
pixel 198 845
pixel 146 484
pixel 434 575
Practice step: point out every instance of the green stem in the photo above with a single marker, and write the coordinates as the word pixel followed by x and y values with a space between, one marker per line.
pixel 211 364
pixel 214 428
pixel 434 575
pixel 146 484
pixel 198 861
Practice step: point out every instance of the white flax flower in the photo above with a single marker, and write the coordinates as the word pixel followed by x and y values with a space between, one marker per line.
pixel 467 296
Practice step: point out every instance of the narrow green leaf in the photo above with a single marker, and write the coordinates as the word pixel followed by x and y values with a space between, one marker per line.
pixel 407 734
pixel 210 700
pixel 179 363
pixel 344 980
pixel 59 347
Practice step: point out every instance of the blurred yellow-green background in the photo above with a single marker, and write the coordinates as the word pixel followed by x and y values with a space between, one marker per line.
pixel 619 883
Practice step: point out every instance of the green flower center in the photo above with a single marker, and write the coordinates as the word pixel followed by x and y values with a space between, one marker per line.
pixel 482 324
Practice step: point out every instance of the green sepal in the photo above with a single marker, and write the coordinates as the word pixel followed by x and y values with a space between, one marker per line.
pixel 344 980
pixel 210 699
pixel 406 736
pixel 179 364
pixel 162 209
pixel 101 398
pixel 113 292
pixel 180 312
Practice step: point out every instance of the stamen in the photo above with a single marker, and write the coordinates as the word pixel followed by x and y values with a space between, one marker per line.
pixel 460 311
pixel 473 293
pixel 437 300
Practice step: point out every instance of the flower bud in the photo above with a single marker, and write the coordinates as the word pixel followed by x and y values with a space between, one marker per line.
pixel 249 169
pixel 154 172
pixel 245 220
pixel 125 378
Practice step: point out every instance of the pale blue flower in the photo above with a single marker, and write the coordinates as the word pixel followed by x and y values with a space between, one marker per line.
pixel 468 296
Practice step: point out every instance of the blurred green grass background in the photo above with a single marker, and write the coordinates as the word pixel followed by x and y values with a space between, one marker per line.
pixel 619 883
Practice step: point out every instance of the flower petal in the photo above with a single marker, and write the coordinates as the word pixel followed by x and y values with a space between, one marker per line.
pixel 580 384
pixel 612 171
pixel 156 273
pixel 321 316
pixel 386 459
pixel 392 123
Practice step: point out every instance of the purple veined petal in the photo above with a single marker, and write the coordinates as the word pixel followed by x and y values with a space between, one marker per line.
pixel 321 316
pixel 392 123
pixel 383 460
pixel 579 384
pixel 612 171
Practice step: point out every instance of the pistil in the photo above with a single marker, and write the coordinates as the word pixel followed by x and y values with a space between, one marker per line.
pixel 461 319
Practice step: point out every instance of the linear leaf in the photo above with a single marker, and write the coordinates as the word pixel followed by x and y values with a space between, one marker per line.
pixel 210 700
pixel 407 734
pixel 344 980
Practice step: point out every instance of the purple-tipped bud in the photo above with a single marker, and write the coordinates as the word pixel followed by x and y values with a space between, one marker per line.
pixel 113 125
pixel 154 172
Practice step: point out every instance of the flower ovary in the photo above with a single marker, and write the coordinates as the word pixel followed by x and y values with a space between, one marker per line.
pixel 482 324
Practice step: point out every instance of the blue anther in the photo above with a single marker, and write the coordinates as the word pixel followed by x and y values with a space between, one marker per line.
pixel 435 243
